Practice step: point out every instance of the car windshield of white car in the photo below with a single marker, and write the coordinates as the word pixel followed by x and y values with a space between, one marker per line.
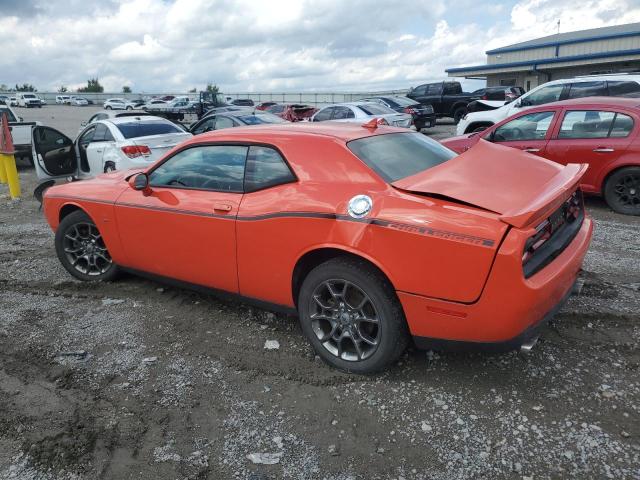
pixel 10 115
pixel 375 109
pixel 144 129
pixel 258 119
pixel 395 156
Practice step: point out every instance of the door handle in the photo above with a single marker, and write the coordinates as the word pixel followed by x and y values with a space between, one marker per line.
pixel 222 207
pixel 603 150
pixel 99 151
pixel 531 150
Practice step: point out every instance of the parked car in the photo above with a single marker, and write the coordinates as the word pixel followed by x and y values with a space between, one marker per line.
pixel 118 104
pixel 166 98
pixel 138 102
pixel 20 132
pixel 62 99
pixel 265 105
pixel 103 146
pixel 601 132
pixel 13 102
pixel 362 112
pixel 423 115
pixel 557 90
pixel 4 100
pixel 395 236
pixel 28 100
pixel 292 112
pixel 79 102
pixel 238 118
pixel 106 114
pixel 243 102
pixel 153 103
pixel 446 98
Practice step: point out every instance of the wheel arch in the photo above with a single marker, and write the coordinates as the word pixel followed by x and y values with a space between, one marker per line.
pixel 69 208
pixel 610 171
pixel 320 254
pixel 478 123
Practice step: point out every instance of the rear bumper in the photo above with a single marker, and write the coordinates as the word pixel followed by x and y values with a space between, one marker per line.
pixel 511 309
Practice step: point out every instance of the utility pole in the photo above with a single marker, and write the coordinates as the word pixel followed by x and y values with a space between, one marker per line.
pixel 558 26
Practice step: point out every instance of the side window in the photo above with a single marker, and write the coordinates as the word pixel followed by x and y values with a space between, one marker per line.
pixel 420 90
pixel 434 89
pixel 622 126
pixel 87 136
pixel 340 113
pixel 224 122
pixel 618 89
pixel 324 114
pixel 276 109
pixel 206 126
pixel 102 134
pixel 265 168
pixel 586 124
pixel 533 126
pixel 587 89
pixel 211 167
pixel 544 95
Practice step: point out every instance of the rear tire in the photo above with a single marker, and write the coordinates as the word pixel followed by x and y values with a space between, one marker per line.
pixel 352 317
pixel 109 167
pixel 458 114
pixel 622 191
pixel 81 249
pixel 108 107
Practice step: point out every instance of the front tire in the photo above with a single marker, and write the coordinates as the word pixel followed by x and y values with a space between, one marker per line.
pixel 352 317
pixel 622 191
pixel 458 114
pixel 81 249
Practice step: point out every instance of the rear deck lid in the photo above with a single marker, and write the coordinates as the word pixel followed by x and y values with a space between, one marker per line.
pixel 520 187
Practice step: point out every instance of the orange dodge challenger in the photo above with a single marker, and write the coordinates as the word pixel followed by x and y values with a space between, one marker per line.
pixel 371 234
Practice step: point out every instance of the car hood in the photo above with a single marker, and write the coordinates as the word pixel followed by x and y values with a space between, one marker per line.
pixel 520 187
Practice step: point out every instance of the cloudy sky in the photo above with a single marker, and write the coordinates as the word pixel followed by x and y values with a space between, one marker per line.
pixel 272 45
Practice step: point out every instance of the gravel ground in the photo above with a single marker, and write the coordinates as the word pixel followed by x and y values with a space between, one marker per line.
pixel 136 380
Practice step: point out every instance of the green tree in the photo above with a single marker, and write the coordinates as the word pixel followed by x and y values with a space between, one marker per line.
pixel 25 87
pixel 62 89
pixel 4 88
pixel 126 89
pixel 93 86
pixel 213 88
pixel 193 90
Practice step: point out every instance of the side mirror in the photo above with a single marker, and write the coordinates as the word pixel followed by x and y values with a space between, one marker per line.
pixel 140 182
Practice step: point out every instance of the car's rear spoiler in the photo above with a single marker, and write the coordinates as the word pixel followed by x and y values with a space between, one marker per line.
pixel 552 195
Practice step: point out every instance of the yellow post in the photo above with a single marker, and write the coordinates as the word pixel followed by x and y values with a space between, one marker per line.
pixel 12 175
pixel 3 171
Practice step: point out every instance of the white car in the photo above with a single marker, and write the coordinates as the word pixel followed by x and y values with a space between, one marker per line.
pixel 104 146
pixel 78 101
pixel 154 103
pixel 28 100
pixel 20 131
pixel 13 102
pixel 362 112
pixel 118 104
pixel 62 99
pixel 554 91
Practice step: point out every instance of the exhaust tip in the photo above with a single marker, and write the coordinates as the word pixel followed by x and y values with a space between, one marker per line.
pixel 526 347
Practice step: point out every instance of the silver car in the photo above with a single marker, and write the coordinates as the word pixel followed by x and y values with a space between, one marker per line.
pixel 362 112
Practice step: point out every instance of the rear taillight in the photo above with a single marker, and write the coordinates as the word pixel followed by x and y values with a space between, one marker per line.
pixel 484 97
pixel 133 151
pixel 409 110
pixel 543 233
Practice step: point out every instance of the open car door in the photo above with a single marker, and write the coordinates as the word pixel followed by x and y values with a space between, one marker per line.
pixel 54 154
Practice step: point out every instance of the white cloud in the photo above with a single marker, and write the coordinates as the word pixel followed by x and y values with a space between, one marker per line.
pixel 277 45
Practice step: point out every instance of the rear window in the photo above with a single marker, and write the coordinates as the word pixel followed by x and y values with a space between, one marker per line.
pixel 395 156
pixel 144 129
pixel 257 119
pixel 375 109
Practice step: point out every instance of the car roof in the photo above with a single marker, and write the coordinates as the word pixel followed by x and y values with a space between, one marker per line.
pixel 593 102
pixel 141 118
pixel 345 131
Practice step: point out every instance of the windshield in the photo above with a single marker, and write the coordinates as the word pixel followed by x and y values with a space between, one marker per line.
pixel 144 129
pixel 28 95
pixel 10 115
pixel 395 156
pixel 257 119
pixel 375 109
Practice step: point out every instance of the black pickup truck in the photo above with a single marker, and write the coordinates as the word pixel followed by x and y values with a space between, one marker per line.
pixel 447 98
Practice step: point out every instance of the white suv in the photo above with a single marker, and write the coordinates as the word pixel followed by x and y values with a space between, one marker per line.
pixel 554 91
pixel 28 100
